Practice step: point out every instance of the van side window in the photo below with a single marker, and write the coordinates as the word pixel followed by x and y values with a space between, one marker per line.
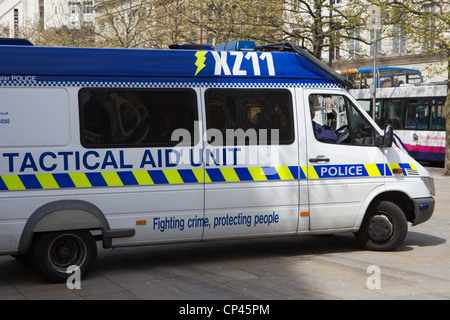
pixel 249 116
pixel 337 114
pixel 135 117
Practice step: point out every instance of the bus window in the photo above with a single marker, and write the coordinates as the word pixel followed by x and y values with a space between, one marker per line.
pixel 387 77
pixel 401 79
pixel 417 114
pixel 397 77
pixel 366 79
pixel 392 113
pixel 414 77
pixel 437 114
pixel 366 105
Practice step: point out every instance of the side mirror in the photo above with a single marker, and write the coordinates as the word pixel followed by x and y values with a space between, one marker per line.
pixel 388 136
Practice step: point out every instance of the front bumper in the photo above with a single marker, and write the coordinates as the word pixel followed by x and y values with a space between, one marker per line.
pixel 423 209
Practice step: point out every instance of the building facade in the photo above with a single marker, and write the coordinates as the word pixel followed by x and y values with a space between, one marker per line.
pixel 15 14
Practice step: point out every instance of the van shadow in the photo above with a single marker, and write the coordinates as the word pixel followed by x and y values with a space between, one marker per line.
pixel 421 240
pixel 152 257
pixel 228 250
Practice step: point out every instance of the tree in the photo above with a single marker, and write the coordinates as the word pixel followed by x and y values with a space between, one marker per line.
pixel 323 25
pixel 227 20
pixel 315 25
pixel 125 24
pixel 427 24
pixel 58 35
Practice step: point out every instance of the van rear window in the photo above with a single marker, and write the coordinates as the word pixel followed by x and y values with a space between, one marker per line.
pixel 135 117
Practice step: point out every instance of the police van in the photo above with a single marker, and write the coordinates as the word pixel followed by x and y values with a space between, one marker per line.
pixel 134 147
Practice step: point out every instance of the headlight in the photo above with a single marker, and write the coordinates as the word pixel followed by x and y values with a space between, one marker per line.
pixel 429 182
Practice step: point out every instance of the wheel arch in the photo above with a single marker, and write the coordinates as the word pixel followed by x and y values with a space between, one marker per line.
pixel 401 199
pixel 62 215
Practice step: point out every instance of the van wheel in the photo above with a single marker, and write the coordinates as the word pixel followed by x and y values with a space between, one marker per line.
pixel 384 227
pixel 54 252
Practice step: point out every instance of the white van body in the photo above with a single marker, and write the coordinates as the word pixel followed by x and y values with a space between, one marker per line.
pixel 128 147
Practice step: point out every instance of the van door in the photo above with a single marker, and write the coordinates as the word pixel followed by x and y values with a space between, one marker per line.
pixel 344 163
pixel 251 162
pixel 154 134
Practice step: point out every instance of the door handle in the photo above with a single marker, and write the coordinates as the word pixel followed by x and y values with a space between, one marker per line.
pixel 319 159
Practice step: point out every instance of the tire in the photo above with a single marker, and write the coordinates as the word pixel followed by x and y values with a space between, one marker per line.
pixel 53 252
pixel 384 227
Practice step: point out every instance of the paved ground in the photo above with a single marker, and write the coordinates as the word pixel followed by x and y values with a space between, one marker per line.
pixel 309 267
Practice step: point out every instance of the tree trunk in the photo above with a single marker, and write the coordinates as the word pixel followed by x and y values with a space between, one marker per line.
pixel 447 125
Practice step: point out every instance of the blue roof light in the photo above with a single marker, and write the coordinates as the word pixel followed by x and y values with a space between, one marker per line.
pixel 237 46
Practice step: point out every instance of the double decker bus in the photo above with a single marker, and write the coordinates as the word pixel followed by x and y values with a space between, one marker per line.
pixel 386 77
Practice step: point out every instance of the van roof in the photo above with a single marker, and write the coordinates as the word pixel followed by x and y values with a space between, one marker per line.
pixel 107 62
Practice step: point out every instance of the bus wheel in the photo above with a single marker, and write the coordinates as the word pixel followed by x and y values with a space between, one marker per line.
pixel 54 252
pixel 384 227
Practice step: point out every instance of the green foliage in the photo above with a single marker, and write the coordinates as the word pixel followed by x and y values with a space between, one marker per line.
pixel 159 23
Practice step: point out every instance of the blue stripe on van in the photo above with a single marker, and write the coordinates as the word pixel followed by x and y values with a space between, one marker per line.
pixel 182 176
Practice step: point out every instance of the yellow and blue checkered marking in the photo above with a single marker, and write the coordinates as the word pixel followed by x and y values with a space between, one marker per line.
pixel 185 176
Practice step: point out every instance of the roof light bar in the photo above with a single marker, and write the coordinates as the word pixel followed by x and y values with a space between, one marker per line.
pixel 237 46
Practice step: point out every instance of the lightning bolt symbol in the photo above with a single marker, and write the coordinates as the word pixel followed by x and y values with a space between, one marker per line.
pixel 200 63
